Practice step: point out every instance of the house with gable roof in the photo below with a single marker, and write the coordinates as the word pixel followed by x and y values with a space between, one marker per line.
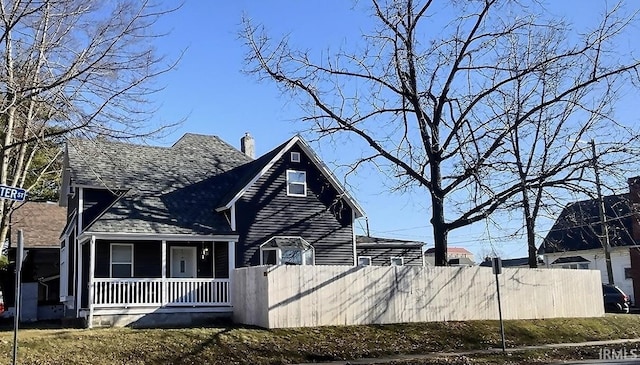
pixel 153 234
pixel 574 241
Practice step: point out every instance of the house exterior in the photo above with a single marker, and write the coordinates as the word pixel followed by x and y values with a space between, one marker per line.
pixel 41 224
pixel 456 256
pixel 153 234
pixel 378 251
pixel 574 240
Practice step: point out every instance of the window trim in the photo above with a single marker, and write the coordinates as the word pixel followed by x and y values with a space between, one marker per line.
pixel 276 249
pixel 365 257
pixel 396 258
pixel 304 183
pixel 111 262
pixel 295 156
pixel 279 250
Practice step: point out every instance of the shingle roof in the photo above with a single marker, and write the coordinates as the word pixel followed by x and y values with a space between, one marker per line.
pixel 569 259
pixel 379 241
pixel 578 226
pixel 520 261
pixel 171 190
pixel 450 250
pixel 42 224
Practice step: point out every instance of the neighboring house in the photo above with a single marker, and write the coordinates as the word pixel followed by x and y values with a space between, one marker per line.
pixel 154 233
pixel 388 251
pixel 574 240
pixel 520 262
pixel 41 225
pixel 456 256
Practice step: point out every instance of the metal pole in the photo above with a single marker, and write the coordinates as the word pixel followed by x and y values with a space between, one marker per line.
pixel 504 345
pixel 604 239
pixel 16 318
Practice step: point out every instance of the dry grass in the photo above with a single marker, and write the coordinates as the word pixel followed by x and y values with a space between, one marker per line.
pixel 236 345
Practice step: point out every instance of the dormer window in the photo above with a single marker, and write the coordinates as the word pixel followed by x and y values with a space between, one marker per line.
pixel 295 156
pixel 296 183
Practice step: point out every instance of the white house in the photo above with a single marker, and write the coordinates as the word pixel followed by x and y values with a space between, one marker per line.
pixel 574 241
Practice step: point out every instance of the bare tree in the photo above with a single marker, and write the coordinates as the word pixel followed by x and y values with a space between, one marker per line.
pixel 422 91
pixel 547 148
pixel 72 67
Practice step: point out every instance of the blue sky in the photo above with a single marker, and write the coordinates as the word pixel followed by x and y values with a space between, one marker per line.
pixel 208 90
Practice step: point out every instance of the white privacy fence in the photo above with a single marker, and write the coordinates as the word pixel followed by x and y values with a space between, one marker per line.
pixel 300 296
pixel 160 292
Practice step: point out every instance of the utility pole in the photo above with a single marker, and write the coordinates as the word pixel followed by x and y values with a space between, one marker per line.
pixel 604 238
pixel 16 314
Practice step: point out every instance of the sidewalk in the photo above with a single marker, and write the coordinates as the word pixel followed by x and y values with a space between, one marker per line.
pixel 384 360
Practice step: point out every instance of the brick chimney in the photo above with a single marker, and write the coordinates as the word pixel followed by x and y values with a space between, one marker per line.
pixel 248 146
pixel 634 197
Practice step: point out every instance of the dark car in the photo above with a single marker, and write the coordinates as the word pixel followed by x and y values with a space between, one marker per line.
pixel 615 300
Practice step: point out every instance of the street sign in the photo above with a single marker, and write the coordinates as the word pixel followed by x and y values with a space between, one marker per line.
pixel 496 264
pixel 11 193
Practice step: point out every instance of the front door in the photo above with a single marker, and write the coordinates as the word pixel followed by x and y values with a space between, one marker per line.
pixel 183 262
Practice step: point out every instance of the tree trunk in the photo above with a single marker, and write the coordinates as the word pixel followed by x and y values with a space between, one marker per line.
pixel 531 237
pixel 440 228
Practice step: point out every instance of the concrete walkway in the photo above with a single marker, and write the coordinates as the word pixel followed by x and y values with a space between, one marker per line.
pixel 388 359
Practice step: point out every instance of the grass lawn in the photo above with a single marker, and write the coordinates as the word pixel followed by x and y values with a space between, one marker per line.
pixel 237 345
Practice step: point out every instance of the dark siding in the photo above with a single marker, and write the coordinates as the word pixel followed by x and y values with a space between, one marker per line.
pixel 321 218
pixel 71 263
pixel 381 256
pixel 102 259
pixel 95 201
pixel 85 275
pixel 147 260
pixel 221 253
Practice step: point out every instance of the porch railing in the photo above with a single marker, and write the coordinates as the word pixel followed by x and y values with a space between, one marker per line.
pixel 160 292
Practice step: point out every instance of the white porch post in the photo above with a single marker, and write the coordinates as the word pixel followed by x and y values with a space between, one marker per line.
pixel 232 265
pixel 164 272
pixel 78 268
pixel 92 265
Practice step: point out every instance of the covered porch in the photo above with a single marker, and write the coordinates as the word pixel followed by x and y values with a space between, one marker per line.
pixel 147 276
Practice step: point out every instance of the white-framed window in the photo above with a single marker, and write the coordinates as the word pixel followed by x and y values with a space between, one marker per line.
pixel 628 274
pixel 269 256
pixel 296 183
pixel 282 250
pixel 295 156
pixel 121 265
pixel 364 261
pixel 397 261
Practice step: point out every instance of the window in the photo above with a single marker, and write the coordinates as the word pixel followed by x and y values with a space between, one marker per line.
pixel 364 261
pixel 627 273
pixel 269 256
pixel 121 260
pixel 397 261
pixel 286 251
pixel 296 183
pixel 581 266
pixel 295 156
